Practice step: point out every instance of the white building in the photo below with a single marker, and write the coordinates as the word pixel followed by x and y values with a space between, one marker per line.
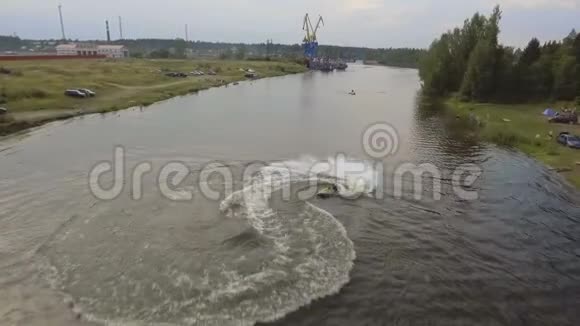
pixel 88 49
pixel 79 49
pixel 113 51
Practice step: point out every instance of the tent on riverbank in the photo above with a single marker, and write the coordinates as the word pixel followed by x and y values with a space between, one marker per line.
pixel 549 112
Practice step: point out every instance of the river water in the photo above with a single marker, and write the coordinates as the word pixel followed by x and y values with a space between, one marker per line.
pixel 259 254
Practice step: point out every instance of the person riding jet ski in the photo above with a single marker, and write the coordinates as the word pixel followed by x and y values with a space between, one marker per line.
pixel 328 191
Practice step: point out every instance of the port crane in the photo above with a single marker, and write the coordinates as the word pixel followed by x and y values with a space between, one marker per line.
pixel 310 40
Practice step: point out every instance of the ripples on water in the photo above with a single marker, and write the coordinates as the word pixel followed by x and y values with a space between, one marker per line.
pixel 510 258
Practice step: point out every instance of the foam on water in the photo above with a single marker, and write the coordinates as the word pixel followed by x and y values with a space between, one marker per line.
pixel 305 255
pixel 352 177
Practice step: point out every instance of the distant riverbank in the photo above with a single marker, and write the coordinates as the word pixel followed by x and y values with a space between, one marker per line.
pixel 522 126
pixel 391 64
pixel 33 91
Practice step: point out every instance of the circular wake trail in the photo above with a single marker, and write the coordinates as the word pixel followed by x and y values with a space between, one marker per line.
pixel 126 270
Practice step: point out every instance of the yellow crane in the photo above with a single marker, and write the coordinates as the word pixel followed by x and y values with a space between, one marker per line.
pixel 311 31
pixel 310 40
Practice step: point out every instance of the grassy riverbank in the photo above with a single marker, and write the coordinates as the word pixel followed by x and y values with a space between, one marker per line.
pixel 34 91
pixel 518 126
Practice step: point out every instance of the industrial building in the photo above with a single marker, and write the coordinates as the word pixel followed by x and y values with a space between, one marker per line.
pixel 89 49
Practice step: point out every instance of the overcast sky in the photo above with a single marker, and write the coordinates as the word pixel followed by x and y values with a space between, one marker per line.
pixel 372 23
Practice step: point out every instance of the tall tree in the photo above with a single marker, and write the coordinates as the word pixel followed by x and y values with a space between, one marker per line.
pixel 576 54
pixel 492 29
pixel 565 78
pixel 506 74
pixel 471 60
pixel 464 59
pixel 531 53
pixel 576 49
pixel 569 40
pixel 435 67
pixel 479 78
pixel 478 83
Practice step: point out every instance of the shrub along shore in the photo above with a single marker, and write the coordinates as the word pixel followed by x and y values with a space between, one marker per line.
pixel 523 127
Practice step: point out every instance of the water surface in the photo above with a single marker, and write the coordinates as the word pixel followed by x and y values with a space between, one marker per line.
pixel 512 257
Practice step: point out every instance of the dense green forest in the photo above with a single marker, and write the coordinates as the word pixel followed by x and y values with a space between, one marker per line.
pixel 470 62
pixel 403 57
pixel 179 48
pixel 158 48
pixel 9 43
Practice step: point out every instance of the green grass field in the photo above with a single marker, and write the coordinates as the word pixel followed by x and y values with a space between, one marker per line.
pixel 527 130
pixel 34 91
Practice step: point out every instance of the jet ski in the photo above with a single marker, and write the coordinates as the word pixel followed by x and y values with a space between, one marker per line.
pixel 327 192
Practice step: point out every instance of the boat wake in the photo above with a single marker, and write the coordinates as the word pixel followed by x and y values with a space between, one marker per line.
pixel 293 253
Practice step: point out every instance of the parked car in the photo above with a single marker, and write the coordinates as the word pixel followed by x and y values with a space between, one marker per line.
pixel 196 73
pixel 87 92
pixel 176 74
pixel 569 140
pixel 3 111
pixel 251 75
pixel 75 93
pixel 566 117
pixel 211 73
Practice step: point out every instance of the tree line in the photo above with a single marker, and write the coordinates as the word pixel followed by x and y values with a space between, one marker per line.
pixel 470 62
pixel 402 57
pixel 8 43
pixel 179 48
pixel 155 48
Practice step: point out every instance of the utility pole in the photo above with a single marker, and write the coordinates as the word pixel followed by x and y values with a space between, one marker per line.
pixel 108 31
pixel 121 27
pixel 61 22
pixel 269 44
pixel 186 33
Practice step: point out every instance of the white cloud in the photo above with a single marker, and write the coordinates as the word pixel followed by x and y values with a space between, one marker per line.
pixel 363 4
pixel 535 4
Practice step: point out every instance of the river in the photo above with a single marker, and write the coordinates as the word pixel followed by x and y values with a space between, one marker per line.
pixel 497 243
